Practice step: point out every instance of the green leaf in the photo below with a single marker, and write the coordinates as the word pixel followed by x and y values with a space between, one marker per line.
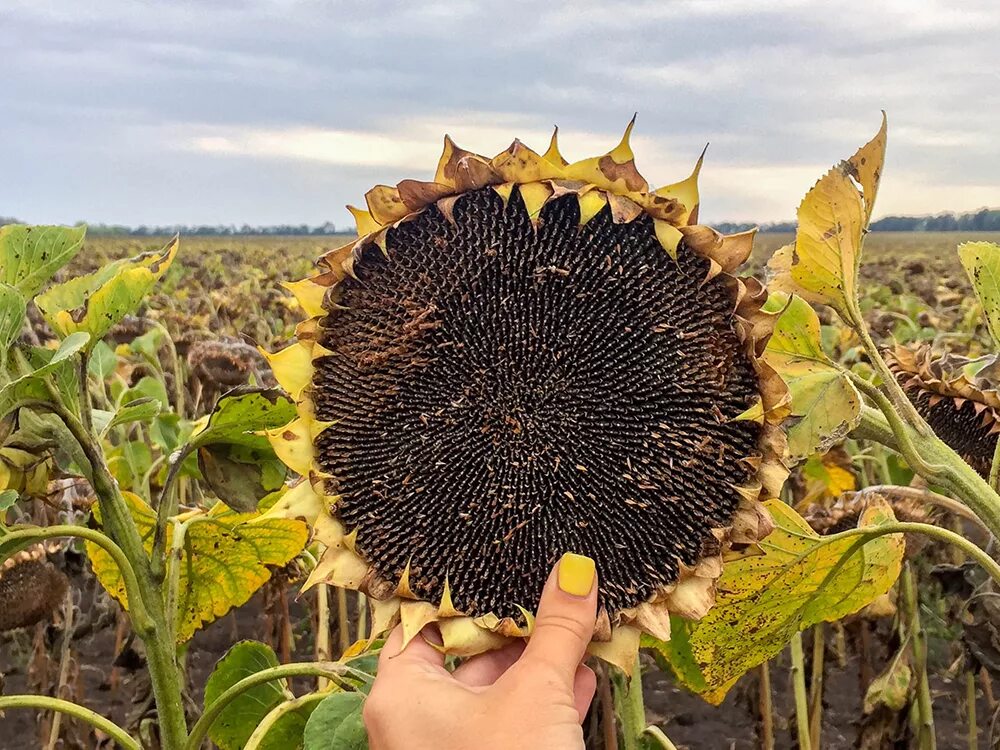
pixel 103 361
pixel 981 261
pixel 336 724
pixel 59 368
pixel 288 732
pixel 241 413
pixel 31 255
pixel 226 558
pixel 12 311
pixel 237 721
pixel 7 500
pixel 825 404
pixel 142 409
pixel 762 600
pixel 96 302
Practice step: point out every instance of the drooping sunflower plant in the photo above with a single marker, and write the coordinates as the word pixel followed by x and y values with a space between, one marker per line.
pixel 524 357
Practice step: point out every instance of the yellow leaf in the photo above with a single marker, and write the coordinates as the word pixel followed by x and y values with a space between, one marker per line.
pixel 825 404
pixel 224 561
pixel 764 599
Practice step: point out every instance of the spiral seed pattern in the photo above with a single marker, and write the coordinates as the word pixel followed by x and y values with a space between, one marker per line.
pixel 502 393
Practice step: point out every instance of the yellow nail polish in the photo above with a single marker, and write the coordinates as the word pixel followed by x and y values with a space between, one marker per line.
pixel 576 574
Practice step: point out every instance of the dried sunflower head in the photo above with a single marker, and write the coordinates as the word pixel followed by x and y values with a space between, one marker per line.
pixel 525 357
pixel 31 588
pixel 958 397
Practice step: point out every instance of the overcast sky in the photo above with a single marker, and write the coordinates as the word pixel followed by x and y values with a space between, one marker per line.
pixel 274 111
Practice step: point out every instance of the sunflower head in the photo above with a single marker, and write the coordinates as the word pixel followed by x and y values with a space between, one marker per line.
pixel 520 358
pixel 31 588
pixel 959 398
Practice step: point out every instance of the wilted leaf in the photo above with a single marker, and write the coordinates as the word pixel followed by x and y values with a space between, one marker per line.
pixel 225 559
pixel 240 476
pixel 336 724
pixel 238 720
pixel 891 688
pixel 762 600
pixel 981 261
pixel 96 302
pixel 826 476
pixel 822 265
pixel 30 255
pixel 825 404
pixel 12 310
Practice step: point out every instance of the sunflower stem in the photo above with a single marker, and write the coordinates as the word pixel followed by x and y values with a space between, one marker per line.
pixel 343 621
pixel 766 708
pixel 629 705
pixel 925 706
pixel 799 688
pixel 970 708
pixel 46 703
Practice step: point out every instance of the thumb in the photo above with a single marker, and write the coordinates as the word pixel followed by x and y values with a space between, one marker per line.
pixel 567 611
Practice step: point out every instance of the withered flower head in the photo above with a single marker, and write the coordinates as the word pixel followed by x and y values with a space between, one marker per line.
pixel 957 396
pixel 31 588
pixel 526 357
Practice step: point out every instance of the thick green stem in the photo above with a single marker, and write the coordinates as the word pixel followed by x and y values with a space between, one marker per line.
pixel 925 706
pixel 45 703
pixel 330 670
pixel 934 460
pixel 799 688
pixel 164 672
pixel 630 707
pixel 657 735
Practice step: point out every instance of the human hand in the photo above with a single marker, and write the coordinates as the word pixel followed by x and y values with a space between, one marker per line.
pixel 533 696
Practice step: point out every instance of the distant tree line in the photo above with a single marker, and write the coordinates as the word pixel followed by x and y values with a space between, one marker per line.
pixel 983 220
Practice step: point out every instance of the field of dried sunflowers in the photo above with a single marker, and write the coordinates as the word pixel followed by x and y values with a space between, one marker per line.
pixel 201 440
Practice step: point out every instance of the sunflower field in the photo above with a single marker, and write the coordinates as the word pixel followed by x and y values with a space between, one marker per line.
pixel 229 466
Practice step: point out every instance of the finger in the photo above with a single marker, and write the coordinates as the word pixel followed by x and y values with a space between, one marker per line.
pixel 418 652
pixel 485 669
pixel 566 614
pixel 584 687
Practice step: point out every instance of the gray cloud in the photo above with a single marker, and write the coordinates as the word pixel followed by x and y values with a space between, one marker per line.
pixel 158 112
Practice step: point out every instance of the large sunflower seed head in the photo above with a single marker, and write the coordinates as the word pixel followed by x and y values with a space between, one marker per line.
pixel 527 357
pixel 31 588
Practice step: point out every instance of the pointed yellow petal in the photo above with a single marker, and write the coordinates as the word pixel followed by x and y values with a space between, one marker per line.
pixel 328 531
pixel 615 171
pixel 535 195
pixel 293 445
pixel 685 192
pixel 504 191
pixel 301 501
pixel 365 222
pixel 591 204
pixel 520 164
pixel 462 637
pixel 464 170
pixel 447 608
pixel 403 587
pixel 308 294
pixel 668 235
pixel 621 650
pixel 415 616
pixel 384 204
pixel 292 367
pixel 552 154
